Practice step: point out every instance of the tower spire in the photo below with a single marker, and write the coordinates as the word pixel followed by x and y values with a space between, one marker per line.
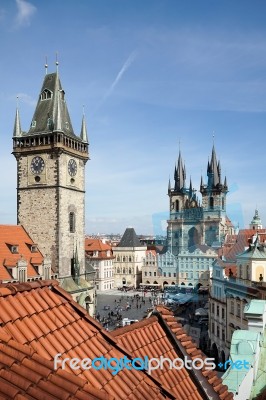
pixel 17 126
pixel 180 174
pixel 83 133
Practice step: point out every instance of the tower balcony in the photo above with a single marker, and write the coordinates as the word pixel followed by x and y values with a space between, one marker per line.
pixel 48 141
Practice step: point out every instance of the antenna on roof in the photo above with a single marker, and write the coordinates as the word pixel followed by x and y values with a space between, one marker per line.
pixel 46 65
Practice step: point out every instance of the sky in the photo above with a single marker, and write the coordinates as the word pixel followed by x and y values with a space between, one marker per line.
pixel 154 76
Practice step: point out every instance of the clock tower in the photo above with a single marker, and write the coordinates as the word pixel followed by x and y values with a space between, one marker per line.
pixel 51 162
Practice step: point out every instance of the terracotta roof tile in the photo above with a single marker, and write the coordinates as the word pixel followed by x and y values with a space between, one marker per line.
pixel 150 338
pixel 24 242
pixel 47 322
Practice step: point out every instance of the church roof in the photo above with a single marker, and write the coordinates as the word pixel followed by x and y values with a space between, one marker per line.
pixel 130 239
pixel 51 113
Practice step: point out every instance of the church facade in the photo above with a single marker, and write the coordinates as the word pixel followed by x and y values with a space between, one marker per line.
pixel 193 222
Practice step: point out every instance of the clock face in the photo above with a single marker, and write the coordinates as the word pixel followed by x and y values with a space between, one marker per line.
pixel 37 165
pixel 72 167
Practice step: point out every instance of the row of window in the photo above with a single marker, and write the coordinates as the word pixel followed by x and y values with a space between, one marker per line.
pixel 219 333
pixel 125 258
pixel 238 308
pixel 218 311
pixel 124 270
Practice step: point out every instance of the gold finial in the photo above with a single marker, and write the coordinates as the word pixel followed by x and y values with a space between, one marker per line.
pixel 56 61
pixel 46 65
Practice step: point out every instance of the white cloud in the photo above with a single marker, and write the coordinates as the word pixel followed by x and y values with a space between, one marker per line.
pixel 25 12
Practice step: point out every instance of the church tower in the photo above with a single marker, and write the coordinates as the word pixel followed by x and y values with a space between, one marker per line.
pixel 185 212
pixel 51 162
pixel 214 202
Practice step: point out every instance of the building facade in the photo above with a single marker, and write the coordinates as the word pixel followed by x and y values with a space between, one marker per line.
pixel 100 256
pixel 129 255
pixel 194 265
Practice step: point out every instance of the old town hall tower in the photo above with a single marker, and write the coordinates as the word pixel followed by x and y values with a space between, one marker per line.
pixel 51 162
pixel 191 222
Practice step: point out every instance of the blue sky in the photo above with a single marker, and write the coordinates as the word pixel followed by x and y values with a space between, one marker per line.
pixel 151 74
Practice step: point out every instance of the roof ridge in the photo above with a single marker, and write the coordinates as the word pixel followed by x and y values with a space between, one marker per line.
pixel 7 289
pixel 135 325
pixel 184 342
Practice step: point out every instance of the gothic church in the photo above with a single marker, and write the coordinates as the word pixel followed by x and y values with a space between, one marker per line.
pixel 192 222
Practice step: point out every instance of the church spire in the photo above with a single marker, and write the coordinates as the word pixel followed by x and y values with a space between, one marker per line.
pixel 169 186
pixel 180 174
pixel 213 170
pixel 17 127
pixel 83 133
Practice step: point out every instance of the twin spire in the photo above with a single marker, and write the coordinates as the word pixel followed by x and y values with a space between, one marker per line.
pixel 213 172
pixel 51 113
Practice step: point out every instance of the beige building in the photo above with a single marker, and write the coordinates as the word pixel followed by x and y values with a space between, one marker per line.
pixel 129 255
pixel 99 256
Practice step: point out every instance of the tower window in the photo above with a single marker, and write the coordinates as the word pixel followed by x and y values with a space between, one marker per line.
pixel 72 222
pixel 46 94
pixel 211 202
pixel 177 205
pixel 222 203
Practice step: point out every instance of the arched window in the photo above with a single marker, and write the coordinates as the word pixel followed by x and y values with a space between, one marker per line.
pixel 72 222
pixel 129 271
pixel 211 202
pixel 177 205
pixel 118 270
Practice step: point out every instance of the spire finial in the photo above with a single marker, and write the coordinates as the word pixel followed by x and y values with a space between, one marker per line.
pixel 213 138
pixel 17 101
pixel 46 65
pixel 56 61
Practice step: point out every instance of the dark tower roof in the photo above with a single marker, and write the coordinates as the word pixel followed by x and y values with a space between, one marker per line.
pixel 51 113
pixel 180 174
pixel 213 170
pixel 129 239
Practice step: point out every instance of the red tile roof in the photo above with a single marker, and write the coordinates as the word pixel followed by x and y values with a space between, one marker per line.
pixel 151 337
pixel 16 235
pixel 43 317
pixel 92 245
pixel 26 375
pixel 242 241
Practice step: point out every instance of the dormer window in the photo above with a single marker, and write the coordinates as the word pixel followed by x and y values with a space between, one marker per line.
pixel 14 249
pixel 46 94
pixel 34 248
